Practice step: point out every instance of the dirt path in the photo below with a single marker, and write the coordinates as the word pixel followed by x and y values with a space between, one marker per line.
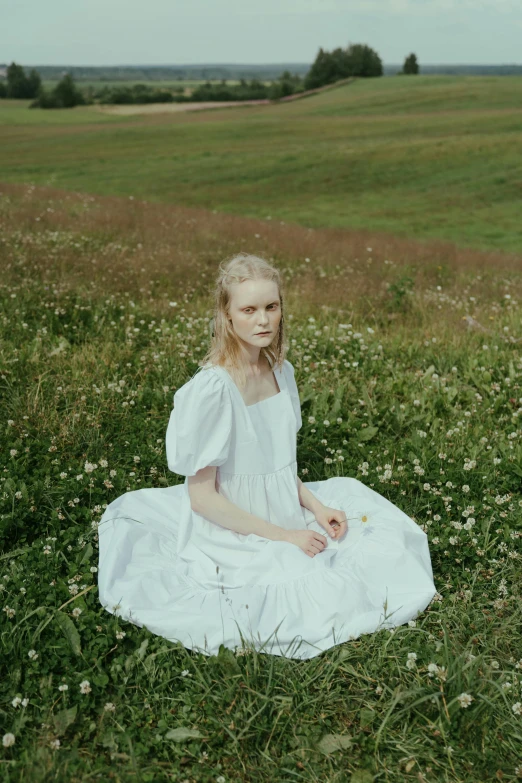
pixel 168 108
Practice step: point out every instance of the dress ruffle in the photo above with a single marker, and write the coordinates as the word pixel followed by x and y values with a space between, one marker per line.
pixel 378 576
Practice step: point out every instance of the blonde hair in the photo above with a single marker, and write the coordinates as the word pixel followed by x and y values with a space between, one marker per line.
pixel 225 348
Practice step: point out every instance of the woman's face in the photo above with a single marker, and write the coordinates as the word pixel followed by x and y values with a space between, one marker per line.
pixel 255 308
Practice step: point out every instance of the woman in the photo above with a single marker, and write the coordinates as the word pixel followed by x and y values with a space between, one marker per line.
pixel 244 552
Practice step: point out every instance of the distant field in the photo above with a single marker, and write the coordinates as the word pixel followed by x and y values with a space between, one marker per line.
pixel 98 83
pixel 424 157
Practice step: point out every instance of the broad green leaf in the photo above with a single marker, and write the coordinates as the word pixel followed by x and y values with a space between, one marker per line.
pixel 367 433
pixel 70 631
pixel 361 776
pixel 140 652
pixel 64 719
pixel 332 742
pixel 87 554
pixel 429 371
pixel 181 734
pixel 366 716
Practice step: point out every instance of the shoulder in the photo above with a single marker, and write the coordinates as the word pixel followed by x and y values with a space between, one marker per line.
pixel 207 382
pixel 288 367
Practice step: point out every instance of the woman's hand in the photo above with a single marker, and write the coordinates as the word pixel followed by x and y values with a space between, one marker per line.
pixel 308 540
pixel 333 521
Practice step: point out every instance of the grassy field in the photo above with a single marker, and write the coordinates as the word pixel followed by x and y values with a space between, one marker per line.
pixel 413 349
pixel 430 157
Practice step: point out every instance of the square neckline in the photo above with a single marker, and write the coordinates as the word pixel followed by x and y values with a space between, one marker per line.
pixel 277 379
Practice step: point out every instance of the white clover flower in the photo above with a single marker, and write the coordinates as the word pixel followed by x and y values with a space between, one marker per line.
pixel 109 707
pixel 103 463
pixel 410 663
pixel 8 740
pixel 16 701
pixel 55 744
pixel 465 700
pixel 185 673
pixel 89 467
pixel 85 686
pixel 517 708
pixel 33 655
pixel 120 634
pixel 63 687
pixel 76 612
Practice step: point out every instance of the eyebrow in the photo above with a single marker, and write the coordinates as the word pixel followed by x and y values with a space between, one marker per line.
pixel 276 301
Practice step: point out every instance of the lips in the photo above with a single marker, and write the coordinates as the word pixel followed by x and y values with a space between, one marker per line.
pixel 261 333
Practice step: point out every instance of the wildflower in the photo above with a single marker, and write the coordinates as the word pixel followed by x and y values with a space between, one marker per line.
pixel 465 699
pixel 55 744
pixel 16 701
pixel 76 612
pixel 10 612
pixel 185 673
pixel 85 686
pixel 120 634
pixel 109 707
pixel 13 452
pixel 517 708
pixel 410 663
pixel 63 687
pixel 8 740
pixel 33 655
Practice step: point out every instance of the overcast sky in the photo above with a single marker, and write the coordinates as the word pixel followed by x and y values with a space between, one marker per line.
pixel 175 32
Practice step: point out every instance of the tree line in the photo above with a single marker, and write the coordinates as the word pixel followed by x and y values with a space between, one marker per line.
pixel 356 60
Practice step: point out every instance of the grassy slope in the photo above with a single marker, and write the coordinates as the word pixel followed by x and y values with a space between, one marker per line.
pixel 428 157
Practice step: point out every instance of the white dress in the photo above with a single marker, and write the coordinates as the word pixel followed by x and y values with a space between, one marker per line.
pixel 188 579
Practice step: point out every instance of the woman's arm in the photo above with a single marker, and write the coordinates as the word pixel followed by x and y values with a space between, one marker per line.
pixel 211 504
pixel 307 499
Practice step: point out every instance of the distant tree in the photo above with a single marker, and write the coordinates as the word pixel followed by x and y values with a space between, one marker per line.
pixel 64 96
pixel 323 71
pixel 3 90
pixel 67 93
pixel 21 86
pixel 410 64
pixel 355 60
pixel 363 61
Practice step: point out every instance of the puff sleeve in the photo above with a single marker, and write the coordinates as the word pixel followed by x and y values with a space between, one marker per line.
pixel 200 425
pixel 294 394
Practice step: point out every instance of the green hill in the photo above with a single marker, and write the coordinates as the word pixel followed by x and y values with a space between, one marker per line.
pixel 425 156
